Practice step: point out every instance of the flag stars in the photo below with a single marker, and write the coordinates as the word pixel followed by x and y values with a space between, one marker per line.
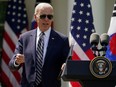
pixel 87 21
pixel 20 1
pixel 85 37
pixel 14 0
pixel 86 29
pixel 88 5
pixel 72 19
pixel 9 6
pixel 14 7
pixel 13 20
pixel 18 27
pixel 72 27
pixel 24 9
pixel 8 13
pixel 93 30
pixel 24 15
pixel 82 23
pixel 77 35
pixel 84 44
pixel 24 22
pixel 16 15
pixel 19 14
pixel 75 3
pixel 18 21
pixel 79 20
pixel 88 14
pixel 80 12
pixel 82 4
pixel 13 13
pixel 78 28
pixel 19 8
pixel 73 11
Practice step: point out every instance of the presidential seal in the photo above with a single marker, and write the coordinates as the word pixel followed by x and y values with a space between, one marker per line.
pixel 100 67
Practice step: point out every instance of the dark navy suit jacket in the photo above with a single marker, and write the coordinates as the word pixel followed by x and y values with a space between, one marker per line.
pixel 57 51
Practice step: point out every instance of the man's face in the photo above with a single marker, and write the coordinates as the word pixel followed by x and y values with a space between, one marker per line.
pixel 44 18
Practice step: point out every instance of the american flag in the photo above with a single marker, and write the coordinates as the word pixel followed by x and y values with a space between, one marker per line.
pixel 15 24
pixel 81 29
pixel 33 23
pixel 111 48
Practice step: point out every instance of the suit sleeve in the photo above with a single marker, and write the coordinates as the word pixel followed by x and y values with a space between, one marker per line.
pixel 18 49
pixel 66 49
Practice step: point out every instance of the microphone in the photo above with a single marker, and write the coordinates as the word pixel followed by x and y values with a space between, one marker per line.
pixel 69 57
pixel 94 40
pixel 71 50
pixel 104 41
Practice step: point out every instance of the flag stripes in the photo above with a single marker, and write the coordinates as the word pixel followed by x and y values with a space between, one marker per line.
pixel 15 23
pixel 80 30
pixel 114 11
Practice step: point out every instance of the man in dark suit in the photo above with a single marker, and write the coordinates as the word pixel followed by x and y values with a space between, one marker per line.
pixel 56 48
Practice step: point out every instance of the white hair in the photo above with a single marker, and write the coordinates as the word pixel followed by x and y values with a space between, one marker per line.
pixel 41 5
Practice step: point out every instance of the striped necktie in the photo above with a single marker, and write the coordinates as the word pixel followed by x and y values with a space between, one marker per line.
pixel 39 59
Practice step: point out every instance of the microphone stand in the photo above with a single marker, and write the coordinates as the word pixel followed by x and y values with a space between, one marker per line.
pixel 103 49
pixel 68 58
pixel 94 48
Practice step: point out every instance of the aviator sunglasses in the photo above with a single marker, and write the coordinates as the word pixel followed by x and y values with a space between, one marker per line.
pixel 43 16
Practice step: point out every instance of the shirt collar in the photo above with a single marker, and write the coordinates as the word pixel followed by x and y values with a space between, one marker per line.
pixel 47 33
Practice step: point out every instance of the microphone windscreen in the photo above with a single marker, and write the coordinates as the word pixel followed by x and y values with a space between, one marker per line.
pixel 94 39
pixel 104 39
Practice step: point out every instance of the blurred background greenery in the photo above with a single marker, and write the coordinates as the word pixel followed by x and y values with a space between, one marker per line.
pixel 3 5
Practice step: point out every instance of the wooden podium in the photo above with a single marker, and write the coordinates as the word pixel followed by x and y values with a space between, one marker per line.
pixel 79 71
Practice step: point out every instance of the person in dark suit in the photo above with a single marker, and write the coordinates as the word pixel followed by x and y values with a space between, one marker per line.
pixel 56 49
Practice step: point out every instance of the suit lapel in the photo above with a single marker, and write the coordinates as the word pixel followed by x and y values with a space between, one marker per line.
pixel 33 43
pixel 51 44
